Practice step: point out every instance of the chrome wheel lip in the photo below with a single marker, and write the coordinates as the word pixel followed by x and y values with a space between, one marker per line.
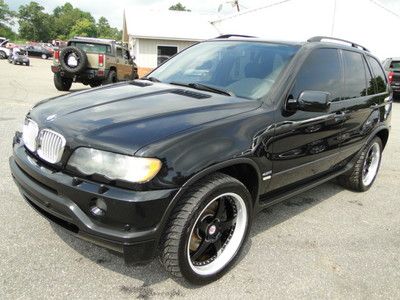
pixel 233 245
pixel 371 164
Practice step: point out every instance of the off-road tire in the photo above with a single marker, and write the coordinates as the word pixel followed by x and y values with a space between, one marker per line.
pixel 82 57
pixel 95 84
pixel 173 245
pixel 111 78
pixel 352 180
pixel 62 84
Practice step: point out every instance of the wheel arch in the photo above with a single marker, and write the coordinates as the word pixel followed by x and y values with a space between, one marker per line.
pixel 383 134
pixel 239 168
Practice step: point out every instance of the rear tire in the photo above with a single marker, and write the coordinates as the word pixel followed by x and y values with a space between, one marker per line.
pixel 111 78
pixel 44 56
pixel 3 55
pixel 95 84
pixel 207 229
pixel 365 170
pixel 62 84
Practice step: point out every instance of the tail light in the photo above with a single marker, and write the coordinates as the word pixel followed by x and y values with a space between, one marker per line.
pixel 101 60
pixel 390 77
pixel 57 55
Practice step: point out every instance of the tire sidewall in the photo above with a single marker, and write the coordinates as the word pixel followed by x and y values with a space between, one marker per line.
pixel 78 52
pixel 374 140
pixel 184 265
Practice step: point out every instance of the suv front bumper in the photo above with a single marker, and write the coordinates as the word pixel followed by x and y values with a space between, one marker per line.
pixel 130 226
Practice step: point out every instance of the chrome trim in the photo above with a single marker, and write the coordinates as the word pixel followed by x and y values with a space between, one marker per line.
pixel 50 145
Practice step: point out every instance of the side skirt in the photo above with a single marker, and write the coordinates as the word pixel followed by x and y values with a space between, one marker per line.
pixel 268 200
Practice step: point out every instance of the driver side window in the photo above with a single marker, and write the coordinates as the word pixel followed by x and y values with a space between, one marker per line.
pixel 320 72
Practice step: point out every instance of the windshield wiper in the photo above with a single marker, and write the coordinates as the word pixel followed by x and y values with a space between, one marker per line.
pixel 152 79
pixel 204 87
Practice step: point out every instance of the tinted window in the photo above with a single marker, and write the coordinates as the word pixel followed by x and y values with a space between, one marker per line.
pixel 378 75
pixel 320 72
pixel 354 75
pixel 94 48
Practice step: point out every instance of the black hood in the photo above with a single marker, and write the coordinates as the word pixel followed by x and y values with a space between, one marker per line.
pixel 125 117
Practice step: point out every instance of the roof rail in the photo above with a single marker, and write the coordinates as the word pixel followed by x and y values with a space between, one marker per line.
pixel 225 36
pixel 320 38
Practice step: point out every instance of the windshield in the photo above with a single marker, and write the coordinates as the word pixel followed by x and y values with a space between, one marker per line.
pixel 245 69
pixel 93 48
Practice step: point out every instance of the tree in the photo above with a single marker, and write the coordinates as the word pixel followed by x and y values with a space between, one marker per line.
pixel 84 27
pixel 6 20
pixel 179 7
pixel 34 23
pixel 104 30
pixel 66 17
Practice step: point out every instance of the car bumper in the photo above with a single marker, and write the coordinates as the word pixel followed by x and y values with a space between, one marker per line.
pixel 88 74
pixel 58 197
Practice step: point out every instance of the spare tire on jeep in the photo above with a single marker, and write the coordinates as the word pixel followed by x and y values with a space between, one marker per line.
pixel 73 60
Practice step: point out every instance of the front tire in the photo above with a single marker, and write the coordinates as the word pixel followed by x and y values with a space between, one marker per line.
pixel 44 56
pixel 364 172
pixel 207 229
pixel 62 84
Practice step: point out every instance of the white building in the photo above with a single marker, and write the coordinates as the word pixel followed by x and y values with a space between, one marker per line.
pixel 155 36
pixel 365 22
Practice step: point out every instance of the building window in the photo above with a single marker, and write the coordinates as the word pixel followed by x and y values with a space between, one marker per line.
pixel 165 52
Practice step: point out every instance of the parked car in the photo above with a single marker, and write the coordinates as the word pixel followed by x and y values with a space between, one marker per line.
pixel 19 58
pixel 93 62
pixel 38 51
pixel 4 51
pixel 177 164
pixel 392 68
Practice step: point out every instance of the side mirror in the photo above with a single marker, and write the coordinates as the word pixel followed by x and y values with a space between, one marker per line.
pixel 313 101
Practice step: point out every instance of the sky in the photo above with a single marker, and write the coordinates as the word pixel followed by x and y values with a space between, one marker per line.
pixel 113 12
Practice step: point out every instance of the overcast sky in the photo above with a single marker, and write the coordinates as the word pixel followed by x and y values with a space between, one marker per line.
pixel 112 10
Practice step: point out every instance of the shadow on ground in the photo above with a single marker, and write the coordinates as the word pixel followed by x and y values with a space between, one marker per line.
pixel 154 273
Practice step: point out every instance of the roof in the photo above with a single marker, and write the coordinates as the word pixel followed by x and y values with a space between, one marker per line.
pixel 92 40
pixel 169 25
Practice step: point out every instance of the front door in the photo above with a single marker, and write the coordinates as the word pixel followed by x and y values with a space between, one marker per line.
pixel 306 144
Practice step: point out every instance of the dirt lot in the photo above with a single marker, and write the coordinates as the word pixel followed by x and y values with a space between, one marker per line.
pixel 326 243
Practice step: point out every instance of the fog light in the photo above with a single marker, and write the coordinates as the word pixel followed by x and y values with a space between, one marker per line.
pixel 98 207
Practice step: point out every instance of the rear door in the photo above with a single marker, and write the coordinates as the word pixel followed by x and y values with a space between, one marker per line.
pixel 358 104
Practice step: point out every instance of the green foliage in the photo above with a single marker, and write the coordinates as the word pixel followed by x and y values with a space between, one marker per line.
pixel 179 7
pixel 63 23
pixel 34 23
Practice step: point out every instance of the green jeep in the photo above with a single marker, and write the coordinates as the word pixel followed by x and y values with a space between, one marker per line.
pixel 93 62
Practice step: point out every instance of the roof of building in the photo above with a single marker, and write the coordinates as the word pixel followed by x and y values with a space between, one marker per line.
pixel 169 25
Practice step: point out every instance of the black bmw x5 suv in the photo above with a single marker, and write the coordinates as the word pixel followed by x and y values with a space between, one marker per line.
pixel 177 164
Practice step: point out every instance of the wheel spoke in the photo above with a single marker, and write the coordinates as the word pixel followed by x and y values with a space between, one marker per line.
pixel 221 208
pixel 202 248
pixel 217 245
pixel 227 224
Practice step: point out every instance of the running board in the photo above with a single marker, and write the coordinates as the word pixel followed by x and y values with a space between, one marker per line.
pixel 269 200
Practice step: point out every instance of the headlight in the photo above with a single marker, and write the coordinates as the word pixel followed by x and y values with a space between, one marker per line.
pixel 30 132
pixel 114 166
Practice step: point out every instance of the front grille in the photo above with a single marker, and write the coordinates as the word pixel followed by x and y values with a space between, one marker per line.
pixel 51 146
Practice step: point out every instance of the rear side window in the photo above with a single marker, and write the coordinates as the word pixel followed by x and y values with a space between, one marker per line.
pixel 354 75
pixel 320 72
pixel 378 75
pixel 395 64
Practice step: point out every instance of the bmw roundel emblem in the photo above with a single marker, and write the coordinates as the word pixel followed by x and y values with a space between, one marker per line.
pixel 51 118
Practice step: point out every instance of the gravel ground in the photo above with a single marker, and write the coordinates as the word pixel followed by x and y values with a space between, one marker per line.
pixel 325 243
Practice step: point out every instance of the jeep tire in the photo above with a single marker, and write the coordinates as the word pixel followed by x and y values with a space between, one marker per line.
pixel 111 78
pixel 79 55
pixel 61 83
